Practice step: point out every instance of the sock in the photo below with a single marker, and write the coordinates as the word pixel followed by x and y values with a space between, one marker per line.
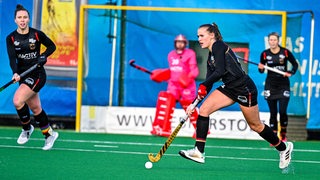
pixel 281 147
pixel 44 125
pixel 269 136
pixel 24 115
pixel 202 132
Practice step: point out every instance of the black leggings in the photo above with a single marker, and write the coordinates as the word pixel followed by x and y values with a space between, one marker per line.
pixel 273 106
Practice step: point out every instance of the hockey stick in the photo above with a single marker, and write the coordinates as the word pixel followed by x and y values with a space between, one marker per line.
pixel 131 62
pixel 266 67
pixel 21 75
pixel 172 136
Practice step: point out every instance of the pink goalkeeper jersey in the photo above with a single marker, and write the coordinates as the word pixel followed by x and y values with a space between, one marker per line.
pixel 183 64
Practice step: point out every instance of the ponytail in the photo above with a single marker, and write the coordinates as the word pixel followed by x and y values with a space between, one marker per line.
pixel 213 28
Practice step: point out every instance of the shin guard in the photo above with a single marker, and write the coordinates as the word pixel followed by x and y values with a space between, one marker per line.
pixel 165 107
pixel 24 115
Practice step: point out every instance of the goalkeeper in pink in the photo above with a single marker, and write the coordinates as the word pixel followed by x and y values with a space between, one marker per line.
pixel 181 86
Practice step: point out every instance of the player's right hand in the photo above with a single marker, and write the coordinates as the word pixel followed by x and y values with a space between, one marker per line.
pixel 260 66
pixel 190 109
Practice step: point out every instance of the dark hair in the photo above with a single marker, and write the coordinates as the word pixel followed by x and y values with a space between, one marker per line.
pixel 19 7
pixel 213 28
pixel 274 34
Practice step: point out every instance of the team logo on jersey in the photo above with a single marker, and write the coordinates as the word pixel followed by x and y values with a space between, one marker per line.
pixel 211 62
pixel 281 58
pixel 269 58
pixel 16 43
pixel 32 44
pixel 29 81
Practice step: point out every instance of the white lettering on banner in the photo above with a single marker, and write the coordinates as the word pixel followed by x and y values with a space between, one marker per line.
pixel 301 89
pixel 134 120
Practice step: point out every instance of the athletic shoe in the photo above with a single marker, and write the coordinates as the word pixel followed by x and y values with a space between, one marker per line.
pixel 25 135
pixel 50 141
pixel 285 156
pixel 193 154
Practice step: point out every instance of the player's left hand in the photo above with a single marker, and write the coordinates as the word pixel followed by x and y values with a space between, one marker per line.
pixel 287 74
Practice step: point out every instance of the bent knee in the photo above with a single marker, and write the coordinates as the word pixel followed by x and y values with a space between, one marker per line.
pixel 204 111
pixel 18 103
pixel 257 127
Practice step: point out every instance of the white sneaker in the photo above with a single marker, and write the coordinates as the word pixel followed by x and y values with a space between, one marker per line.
pixel 50 141
pixel 25 135
pixel 285 156
pixel 193 154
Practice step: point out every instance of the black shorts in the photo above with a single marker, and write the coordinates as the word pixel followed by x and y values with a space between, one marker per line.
pixel 243 91
pixel 35 80
pixel 276 90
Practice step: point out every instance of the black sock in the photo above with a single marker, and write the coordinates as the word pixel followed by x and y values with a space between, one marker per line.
pixel 43 121
pixel 202 132
pixel 273 139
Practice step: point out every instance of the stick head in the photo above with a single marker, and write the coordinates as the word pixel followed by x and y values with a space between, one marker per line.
pixel 153 158
pixel 131 62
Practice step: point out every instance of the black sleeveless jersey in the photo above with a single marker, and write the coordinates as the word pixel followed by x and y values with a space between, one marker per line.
pixel 24 49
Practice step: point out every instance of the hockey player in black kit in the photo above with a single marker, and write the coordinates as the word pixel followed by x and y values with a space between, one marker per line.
pixel 237 87
pixel 277 87
pixel 23 47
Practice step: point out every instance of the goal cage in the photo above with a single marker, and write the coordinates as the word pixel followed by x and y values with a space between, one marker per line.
pixel 111 94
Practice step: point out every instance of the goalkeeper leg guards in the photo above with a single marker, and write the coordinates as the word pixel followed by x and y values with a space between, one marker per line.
pixel 165 107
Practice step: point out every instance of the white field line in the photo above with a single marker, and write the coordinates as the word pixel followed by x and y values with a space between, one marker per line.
pixel 160 145
pixel 145 154
pixel 98 145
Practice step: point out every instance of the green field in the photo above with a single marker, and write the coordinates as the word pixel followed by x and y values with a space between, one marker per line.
pixel 113 156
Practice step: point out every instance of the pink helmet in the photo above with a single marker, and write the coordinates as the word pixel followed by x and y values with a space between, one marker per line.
pixel 181 37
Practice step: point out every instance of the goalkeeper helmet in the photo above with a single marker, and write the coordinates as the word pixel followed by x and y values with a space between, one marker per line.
pixel 181 37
